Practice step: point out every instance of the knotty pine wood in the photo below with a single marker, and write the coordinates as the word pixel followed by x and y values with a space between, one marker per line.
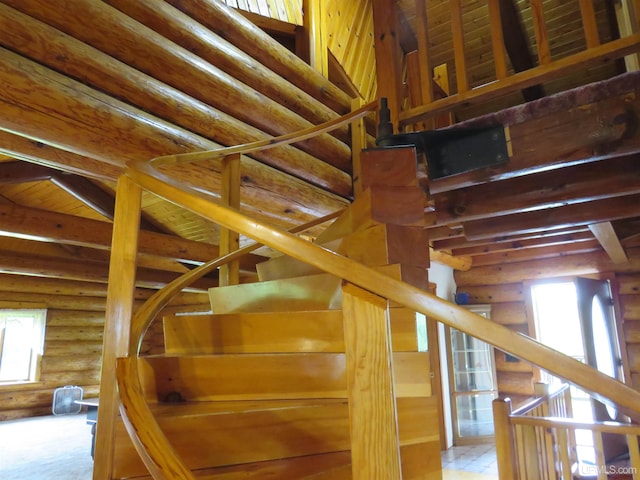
pixel 371 375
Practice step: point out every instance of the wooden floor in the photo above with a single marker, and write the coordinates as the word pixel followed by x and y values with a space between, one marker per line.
pixel 56 448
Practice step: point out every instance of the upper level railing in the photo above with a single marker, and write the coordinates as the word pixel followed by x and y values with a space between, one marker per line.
pixel 549 66
pixel 156 451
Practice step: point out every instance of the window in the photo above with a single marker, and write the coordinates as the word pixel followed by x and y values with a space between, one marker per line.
pixel 21 344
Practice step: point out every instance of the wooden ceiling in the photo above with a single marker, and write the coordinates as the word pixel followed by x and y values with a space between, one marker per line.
pixel 80 98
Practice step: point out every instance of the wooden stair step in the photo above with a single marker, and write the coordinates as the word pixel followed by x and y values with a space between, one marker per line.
pixel 269 376
pixel 276 332
pixel 376 245
pixel 283 332
pixel 221 434
pixel 314 292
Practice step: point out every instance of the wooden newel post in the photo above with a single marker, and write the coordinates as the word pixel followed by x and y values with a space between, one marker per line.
pixel 230 240
pixel 504 439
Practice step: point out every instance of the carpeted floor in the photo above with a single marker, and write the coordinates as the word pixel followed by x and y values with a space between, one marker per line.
pixel 46 448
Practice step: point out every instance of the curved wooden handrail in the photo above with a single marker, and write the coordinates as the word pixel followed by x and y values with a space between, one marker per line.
pixel 600 385
pixel 162 458
pixel 134 409
pixel 260 144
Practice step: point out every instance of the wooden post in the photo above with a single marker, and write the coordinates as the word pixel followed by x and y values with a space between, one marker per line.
pixel 315 24
pixel 358 143
pixel 375 445
pixel 388 56
pixel 457 31
pixel 542 41
pixel 423 51
pixel 504 439
pixel 120 297
pixel 230 240
pixel 497 39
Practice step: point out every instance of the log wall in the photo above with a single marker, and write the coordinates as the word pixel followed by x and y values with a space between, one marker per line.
pixel 72 353
pixel 505 287
pixel 73 338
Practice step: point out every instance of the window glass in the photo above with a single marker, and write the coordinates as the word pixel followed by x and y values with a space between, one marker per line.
pixel 21 344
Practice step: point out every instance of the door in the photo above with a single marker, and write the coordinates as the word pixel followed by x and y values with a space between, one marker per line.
pixel 473 386
pixel 601 349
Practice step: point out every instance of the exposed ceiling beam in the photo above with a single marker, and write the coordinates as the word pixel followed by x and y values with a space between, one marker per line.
pixel 42 225
pixel 86 270
pixel 575 184
pixel 555 218
pixel 524 244
pixel 607 237
pixel 79 187
pixel 599 124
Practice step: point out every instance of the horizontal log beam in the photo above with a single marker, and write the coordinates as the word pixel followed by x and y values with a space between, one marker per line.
pixel 86 271
pixel 454 244
pixel 188 33
pixel 541 252
pixel 42 225
pixel 59 111
pixel 576 184
pixel 569 265
pixel 525 243
pixel 78 60
pixel 555 218
pixel 121 37
pixel 33 151
pixel 228 23
pixel 579 127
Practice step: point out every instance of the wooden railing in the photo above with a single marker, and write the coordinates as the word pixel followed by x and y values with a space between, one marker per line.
pixel 538 441
pixel 505 81
pixel 154 448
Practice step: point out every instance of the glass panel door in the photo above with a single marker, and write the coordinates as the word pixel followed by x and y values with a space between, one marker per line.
pixel 473 387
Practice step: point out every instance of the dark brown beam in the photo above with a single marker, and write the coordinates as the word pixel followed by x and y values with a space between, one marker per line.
pixel 462 242
pixel 541 252
pixel 548 240
pixel 555 218
pixel 568 265
pixel 595 123
pixel 575 184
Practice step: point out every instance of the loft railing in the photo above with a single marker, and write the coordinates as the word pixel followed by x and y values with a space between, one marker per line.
pixel 505 81
pixel 150 442
pixel 538 441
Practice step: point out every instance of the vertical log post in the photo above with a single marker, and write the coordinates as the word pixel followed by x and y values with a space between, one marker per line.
pixel 375 444
pixel 120 297
pixel 424 61
pixel 315 23
pixel 542 41
pixel 388 56
pixel 358 143
pixel 589 23
pixel 504 439
pixel 497 39
pixel 230 240
pixel 457 30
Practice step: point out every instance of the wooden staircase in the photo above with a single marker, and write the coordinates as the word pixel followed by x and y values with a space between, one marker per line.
pixel 269 385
